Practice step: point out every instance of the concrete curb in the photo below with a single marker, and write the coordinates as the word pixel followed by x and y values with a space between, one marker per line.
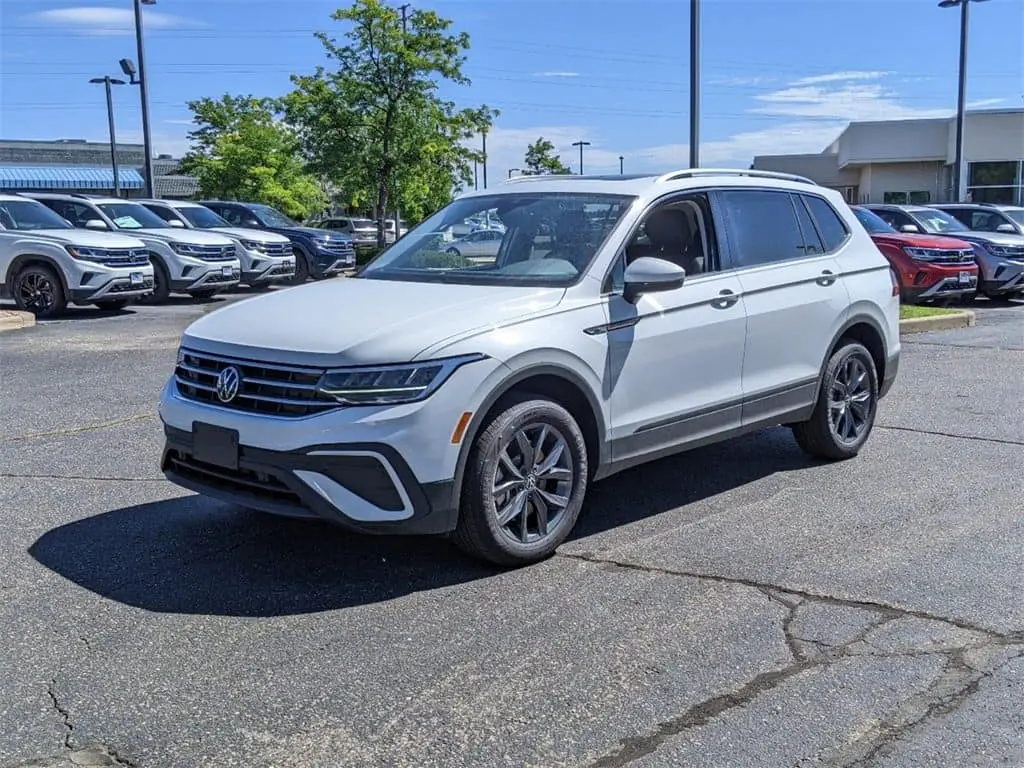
pixel 11 320
pixel 960 319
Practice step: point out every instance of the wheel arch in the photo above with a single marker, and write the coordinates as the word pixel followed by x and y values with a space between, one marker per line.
pixel 866 330
pixel 28 259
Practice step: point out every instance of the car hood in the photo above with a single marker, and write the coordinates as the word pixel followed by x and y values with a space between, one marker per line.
pixel 994 238
pixel 188 236
pixel 352 321
pixel 87 238
pixel 318 234
pixel 257 235
pixel 921 241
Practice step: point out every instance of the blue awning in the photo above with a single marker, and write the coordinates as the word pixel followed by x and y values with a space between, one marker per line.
pixel 67 177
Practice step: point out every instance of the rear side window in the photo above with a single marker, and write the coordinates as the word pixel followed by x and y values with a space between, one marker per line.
pixel 814 246
pixel 833 230
pixel 762 227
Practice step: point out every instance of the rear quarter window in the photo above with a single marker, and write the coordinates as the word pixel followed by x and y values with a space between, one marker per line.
pixel 831 227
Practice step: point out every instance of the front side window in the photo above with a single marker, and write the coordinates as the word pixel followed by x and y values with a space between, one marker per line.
pixel 132 216
pixel 25 215
pixel 872 222
pixel 763 227
pixel 549 239
pixel 833 230
pixel 271 217
pixel 202 218
pixel 1016 214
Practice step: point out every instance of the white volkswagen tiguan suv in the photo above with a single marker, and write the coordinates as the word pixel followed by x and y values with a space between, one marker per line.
pixel 200 264
pixel 624 319
pixel 45 263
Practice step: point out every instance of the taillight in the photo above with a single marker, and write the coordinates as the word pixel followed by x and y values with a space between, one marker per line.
pixel 895 282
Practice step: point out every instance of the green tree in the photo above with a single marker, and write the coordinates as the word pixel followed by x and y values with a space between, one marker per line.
pixel 374 123
pixel 241 150
pixel 541 159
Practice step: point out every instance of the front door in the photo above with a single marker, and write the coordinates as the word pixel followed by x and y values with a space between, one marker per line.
pixel 674 358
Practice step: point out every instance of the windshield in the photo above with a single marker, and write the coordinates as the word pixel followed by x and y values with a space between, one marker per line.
pixel 1017 214
pixel 132 216
pixel 872 222
pixel 28 214
pixel 363 224
pixel 548 239
pixel 938 222
pixel 271 217
pixel 200 217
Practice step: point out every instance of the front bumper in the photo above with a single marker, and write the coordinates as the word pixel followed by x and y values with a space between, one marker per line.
pixel 364 487
pixel 222 276
pixel 269 274
pixel 930 284
pixel 116 288
pixel 1006 278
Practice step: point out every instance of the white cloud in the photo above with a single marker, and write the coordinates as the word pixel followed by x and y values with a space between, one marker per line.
pixel 179 122
pixel 848 102
pixel 108 21
pixel 558 73
pixel 755 80
pixel 837 77
pixel 981 103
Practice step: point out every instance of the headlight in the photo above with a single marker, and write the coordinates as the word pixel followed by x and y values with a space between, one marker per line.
pixel 923 254
pixel 185 249
pixel 1005 251
pixel 252 245
pixel 390 384
pixel 87 254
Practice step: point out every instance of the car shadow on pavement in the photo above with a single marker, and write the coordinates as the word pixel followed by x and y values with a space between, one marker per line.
pixel 192 555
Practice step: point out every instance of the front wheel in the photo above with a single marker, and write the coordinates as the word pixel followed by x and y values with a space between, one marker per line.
pixel 301 269
pixel 38 290
pixel 847 403
pixel 526 479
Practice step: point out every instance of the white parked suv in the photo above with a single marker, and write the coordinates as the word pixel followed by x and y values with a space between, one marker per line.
pixel 184 261
pixel 266 257
pixel 45 263
pixel 624 319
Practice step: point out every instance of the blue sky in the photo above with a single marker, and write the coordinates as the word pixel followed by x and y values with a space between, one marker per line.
pixel 778 75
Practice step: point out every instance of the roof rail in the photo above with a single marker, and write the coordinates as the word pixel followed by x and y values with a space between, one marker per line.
pixel 688 172
pixel 541 177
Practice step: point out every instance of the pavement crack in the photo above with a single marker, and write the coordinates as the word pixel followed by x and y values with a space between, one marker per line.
pixel 937 433
pixel 86 428
pixel 62 711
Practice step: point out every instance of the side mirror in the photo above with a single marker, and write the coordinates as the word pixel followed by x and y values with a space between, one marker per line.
pixel 176 224
pixel 95 224
pixel 912 228
pixel 1008 228
pixel 650 275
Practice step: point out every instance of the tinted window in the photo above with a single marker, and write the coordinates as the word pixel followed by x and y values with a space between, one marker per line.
pixel 132 216
pixel 832 229
pixel 807 228
pixel 28 214
pixel 163 213
pixel 763 227
pixel 872 222
pixel 201 218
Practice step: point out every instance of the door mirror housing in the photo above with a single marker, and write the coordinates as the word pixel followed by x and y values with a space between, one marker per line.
pixel 96 224
pixel 911 228
pixel 1008 228
pixel 651 275
pixel 175 224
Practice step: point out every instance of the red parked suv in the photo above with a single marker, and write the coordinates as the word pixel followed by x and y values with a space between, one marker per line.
pixel 929 267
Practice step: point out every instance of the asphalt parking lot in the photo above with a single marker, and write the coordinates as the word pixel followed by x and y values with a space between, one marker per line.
pixel 735 606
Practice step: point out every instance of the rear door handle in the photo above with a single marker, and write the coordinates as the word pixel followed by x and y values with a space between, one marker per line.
pixel 726 299
pixel 826 279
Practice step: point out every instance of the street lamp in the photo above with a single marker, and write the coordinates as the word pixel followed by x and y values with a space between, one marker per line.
pixel 108 81
pixel 958 163
pixel 129 69
pixel 694 83
pixel 510 171
pixel 620 164
pixel 581 144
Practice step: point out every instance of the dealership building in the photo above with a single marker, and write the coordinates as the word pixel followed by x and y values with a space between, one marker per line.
pixel 911 161
pixel 76 165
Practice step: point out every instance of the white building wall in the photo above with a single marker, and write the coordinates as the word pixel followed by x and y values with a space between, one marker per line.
pixel 993 136
pixel 905 140
pixel 879 178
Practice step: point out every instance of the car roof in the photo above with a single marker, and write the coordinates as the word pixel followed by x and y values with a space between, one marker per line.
pixel 170 203
pixel 652 185
pixel 79 197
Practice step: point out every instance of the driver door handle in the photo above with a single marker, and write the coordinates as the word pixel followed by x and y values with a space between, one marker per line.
pixel 726 299
pixel 826 279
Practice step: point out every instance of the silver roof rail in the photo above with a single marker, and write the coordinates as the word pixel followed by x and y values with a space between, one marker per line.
pixel 688 172
pixel 541 177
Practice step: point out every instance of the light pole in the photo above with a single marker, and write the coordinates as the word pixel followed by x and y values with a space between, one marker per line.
pixel 694 83
pixel 620 165
pixel 485 159
pixel 581 144
pixel 510 171
pixel 958 162
pixel 476 175
pixel 108 81
pixel 147 138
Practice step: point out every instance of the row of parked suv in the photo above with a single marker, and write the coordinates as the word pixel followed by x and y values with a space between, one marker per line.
pixel 950 252
pixel 57 249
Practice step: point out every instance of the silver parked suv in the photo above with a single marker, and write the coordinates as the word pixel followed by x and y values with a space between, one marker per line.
pixel 624 319
pixel 45 263
pixel 184 261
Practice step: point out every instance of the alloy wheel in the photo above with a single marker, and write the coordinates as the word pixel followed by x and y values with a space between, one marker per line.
pixel 533 483
pixel 850 400
pixel 37 292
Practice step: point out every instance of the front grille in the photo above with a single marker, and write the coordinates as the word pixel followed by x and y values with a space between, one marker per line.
pixel 264 388
pixel 338 247
pixel 147 284
pixel 953 257
pixel 282 270
pixel 126 257
pixel 218 277
pixel 212 252
pixel 277 249
pixel 243 480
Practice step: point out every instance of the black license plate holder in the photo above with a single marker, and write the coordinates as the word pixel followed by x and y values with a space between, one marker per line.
pixel 215 445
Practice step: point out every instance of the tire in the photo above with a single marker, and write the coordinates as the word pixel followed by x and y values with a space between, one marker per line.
pixel 206 293
pixel 454 252
pixel 38 290
pixel 819 436
pixel 161 282
pixel 112 305
pixel 521 539
pixel 302 270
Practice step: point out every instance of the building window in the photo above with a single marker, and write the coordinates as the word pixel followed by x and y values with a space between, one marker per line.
pixel 920 198
pixel 894 198
pixel 995 183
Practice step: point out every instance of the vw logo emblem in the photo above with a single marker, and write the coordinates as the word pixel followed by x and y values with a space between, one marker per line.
pixel 227 384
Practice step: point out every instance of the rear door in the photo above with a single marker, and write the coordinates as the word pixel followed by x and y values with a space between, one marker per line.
pixel 781 246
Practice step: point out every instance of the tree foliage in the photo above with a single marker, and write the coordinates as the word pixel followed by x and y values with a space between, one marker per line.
pixel 541 159
pixel 241 150
pixel 374 123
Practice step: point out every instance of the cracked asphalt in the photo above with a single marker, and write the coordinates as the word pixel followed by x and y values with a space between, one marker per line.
pixel 734 606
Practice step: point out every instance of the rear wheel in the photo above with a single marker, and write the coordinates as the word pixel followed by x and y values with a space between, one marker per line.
pixel 525 483
pixel 38 290
pixel 847 403
pixel 301 269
